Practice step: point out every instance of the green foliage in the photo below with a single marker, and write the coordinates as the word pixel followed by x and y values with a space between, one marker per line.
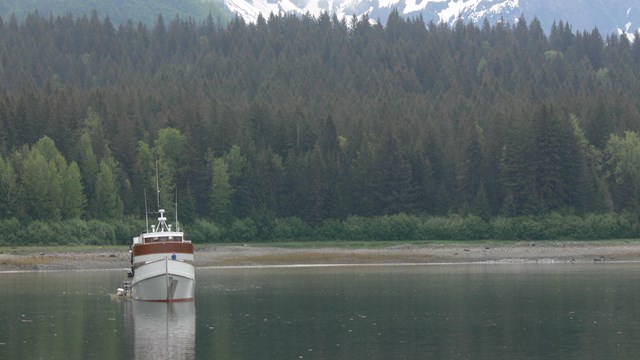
pixel 68 232
pixel 454 227
pixel 553 55
pixel 611 226
pixel 331 230
pixel 387 227
pixel 236 162
pixel 395 227
pixel 263 222
pixel 126 228
pixel 11 230
pixel 39 233
pixel 201 232
pixel 566 227
pixel 519 228
pixel 291 229
pixel 242 230
pixel 482 65
pixel 401 227
pixel 356 227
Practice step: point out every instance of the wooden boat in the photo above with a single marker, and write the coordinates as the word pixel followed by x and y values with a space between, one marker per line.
pixel 162 265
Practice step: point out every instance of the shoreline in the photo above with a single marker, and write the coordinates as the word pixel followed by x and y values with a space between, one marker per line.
pixel 252 256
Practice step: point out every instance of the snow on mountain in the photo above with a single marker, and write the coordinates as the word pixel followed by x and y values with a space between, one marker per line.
pixel 441 10
pixel 608 16
pixel 475 10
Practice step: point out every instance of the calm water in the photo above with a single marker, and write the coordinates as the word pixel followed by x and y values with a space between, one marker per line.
pixel 411 312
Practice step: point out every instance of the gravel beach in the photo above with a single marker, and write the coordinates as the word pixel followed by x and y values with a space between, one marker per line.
pixel 50 259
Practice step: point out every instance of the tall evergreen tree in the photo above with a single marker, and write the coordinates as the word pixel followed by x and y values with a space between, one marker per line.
pixel 10 191
pixel 320 186
pixel 42 187
pixel 170 151
pixel 593 194
pixel 87 163
pixel 361 175
pixel 393 186
pixel 623 153
pixel 74 200
pixel 106 203
pixel 599 125
pixel 221 192
pixel 237 164
pixel 517 172
pixel 557 159
pixel 470 168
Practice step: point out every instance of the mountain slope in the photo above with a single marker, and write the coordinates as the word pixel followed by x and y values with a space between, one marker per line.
pixel 607 16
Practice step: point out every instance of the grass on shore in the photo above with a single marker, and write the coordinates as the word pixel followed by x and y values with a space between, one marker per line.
pixel 43 249
pixel 375 244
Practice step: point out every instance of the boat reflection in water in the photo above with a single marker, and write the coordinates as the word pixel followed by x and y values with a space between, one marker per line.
pixel 162 330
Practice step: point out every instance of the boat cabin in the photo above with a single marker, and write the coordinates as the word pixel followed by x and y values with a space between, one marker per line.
pixel 161 232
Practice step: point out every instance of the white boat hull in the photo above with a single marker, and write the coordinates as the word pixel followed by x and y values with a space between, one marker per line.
pixel 164 280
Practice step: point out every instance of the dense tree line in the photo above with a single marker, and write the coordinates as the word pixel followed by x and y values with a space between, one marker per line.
pixel 315 119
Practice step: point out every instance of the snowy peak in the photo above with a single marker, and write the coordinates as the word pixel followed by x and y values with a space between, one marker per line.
pixel 471 10
pixel 439 10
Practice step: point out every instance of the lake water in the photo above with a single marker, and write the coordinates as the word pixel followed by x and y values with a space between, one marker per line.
pixel 521 311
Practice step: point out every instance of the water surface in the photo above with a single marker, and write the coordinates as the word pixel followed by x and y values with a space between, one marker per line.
pixel 549 311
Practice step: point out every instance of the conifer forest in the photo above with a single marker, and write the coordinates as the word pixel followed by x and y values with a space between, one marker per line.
pixel 317 128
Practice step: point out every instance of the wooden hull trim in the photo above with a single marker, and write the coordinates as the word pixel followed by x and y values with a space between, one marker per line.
pixel 162 248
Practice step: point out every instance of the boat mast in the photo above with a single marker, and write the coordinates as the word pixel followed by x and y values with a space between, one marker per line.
pixel 177 225
pixel 157 183
pixel 146 209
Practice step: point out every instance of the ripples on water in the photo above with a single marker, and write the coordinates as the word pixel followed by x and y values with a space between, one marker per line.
pixel 418 312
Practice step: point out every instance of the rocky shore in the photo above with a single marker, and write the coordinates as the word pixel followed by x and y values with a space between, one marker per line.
pixel 47 259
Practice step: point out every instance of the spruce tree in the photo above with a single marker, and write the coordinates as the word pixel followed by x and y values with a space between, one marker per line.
pixel 11 196
pixel 221 193
pixel 106 203
pixel 74 200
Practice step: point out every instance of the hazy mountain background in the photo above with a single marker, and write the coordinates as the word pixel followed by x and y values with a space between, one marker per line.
pixel 608 16
pixel 119 11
